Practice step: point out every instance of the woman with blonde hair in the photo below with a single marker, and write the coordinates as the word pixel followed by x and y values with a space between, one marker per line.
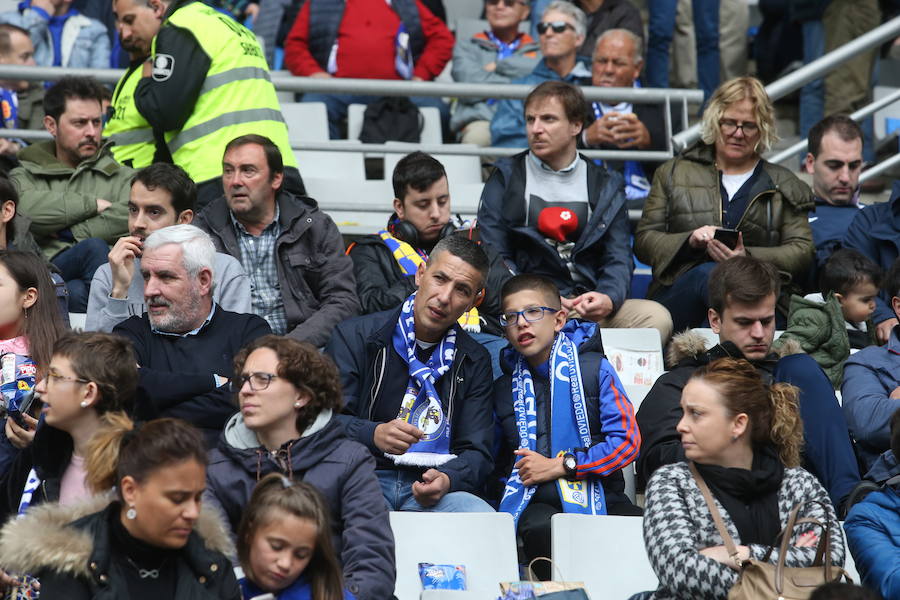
pixel 744 439
pixel 720 199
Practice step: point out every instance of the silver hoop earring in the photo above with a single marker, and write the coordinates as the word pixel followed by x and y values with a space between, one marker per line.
pixel 131 513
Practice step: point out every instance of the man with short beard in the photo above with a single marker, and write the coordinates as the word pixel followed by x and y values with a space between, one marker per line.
pixel 185 343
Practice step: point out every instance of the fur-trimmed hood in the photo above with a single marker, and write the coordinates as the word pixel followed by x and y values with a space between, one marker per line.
pixel 47 537
pixel 691 345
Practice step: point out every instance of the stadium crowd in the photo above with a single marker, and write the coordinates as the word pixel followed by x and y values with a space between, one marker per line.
pixel 250 390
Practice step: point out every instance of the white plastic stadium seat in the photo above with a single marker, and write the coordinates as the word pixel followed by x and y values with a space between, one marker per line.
pixel 306 121
pixel 616 575
pixel 459 168
pixel 77 321
pixel 485 543
pixel 325 164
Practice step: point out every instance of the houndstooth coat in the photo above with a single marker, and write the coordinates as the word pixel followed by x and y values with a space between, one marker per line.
pixel 677 525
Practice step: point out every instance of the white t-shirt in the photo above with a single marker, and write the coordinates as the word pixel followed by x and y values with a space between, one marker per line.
pixel 733 183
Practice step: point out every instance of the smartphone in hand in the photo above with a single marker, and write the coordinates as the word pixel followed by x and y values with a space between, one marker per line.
pixel 729 237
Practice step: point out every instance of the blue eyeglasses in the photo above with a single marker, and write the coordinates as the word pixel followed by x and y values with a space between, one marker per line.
pixel 531 314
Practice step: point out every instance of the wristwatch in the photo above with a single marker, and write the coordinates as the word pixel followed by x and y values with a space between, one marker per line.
pixel 570 465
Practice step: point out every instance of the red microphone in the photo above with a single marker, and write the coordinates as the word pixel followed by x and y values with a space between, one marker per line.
pixel 557 223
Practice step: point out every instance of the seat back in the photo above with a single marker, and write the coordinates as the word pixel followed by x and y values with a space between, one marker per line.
pixel 485 543
pixel 306 121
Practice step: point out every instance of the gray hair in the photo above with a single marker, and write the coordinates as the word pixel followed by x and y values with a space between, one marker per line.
pixel 198 251
pixel 569 9
pixel 635 39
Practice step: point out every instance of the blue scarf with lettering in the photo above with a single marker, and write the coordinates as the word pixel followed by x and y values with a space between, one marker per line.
pixel 569 428
pixel 421 405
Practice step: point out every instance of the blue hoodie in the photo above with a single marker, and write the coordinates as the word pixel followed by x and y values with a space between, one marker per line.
pixel 873 535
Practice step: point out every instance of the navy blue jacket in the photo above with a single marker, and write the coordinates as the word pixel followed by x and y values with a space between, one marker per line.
pixel 875 232
pixel 374 379
pixel 602 254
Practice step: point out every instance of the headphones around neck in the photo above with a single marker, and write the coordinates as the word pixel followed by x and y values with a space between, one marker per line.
pixel 407 232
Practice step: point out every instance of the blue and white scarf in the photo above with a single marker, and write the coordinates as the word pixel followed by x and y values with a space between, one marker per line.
pixel 569 429
pixel 421 405
pixel 31 486
pixel 636 183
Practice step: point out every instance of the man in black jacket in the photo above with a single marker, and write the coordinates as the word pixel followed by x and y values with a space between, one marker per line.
pixel 417 388
pixel 185 343
pixel 742 295
pixel 385 263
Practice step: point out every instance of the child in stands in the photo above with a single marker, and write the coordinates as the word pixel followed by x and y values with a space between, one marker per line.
pixel 828 324
pixel 284 544
pixel 564 412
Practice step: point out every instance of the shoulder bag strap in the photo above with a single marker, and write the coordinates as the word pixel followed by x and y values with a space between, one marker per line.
pixel 717 517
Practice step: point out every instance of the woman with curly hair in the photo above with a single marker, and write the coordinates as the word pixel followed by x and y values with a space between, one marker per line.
pixel 290 398
pixel 744 439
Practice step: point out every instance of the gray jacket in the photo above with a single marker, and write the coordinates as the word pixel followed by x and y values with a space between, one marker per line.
pixel 315 276
pixel 469 59
pixel 231 291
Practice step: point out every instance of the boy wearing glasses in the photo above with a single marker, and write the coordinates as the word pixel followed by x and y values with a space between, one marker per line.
pixel 564 413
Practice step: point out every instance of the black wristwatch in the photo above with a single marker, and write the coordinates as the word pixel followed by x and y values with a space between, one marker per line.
pixel 570 465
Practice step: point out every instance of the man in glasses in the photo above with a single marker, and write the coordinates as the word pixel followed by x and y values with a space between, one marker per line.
pixel 550 211
pixel 185 343
pixel 497 55
pixel 561 32
pixel 569 448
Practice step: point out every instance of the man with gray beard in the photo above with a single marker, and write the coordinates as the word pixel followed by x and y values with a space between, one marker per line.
pixel 185 343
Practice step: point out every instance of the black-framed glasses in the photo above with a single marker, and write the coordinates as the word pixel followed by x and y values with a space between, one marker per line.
pixel 556 26
pixel 531 314
pixel 730 127
pixel 51 377
pixel 258 381
pixel 508 3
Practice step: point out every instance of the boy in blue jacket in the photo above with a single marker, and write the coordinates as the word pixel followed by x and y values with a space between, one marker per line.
pixel 564 411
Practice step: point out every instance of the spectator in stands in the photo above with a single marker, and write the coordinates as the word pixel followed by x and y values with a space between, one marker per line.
pixel 401 39
pixel 722 182
pixel 29 326
pixel 154 525
pixel 743 437
pixel 552 212
pixel 497 55
pixel 290 398
pixel 871 388
pixel 301 280
pixel 706 32
pixel 185 342
pixel 15 49
pixel 561 30
pixel 90 375
pixel 872 526
pixel 875 231
pixel 134 144
pixel 835 161
pixel 829 323
pixel 162 195
pixel 601 16
pixel 417 388
pixel 74 192
pixel 15 228
pixel 62 36
pixel 742 293
pixel 194 43
pixel 385 264
pixel 594 434
pixel 618 60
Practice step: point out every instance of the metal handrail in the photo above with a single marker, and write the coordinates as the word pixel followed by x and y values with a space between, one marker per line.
pixel 859 115
pixel 814 70
pixel 382 87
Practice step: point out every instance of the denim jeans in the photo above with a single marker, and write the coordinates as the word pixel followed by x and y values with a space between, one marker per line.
pixel 336 105
pixel 812 95
pixel 396 485
pixel 77 265
pixel 706 32
pixel 688 298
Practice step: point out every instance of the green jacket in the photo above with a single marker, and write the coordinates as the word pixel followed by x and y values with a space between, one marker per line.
pixel 821 331
pixel 685 195
pixel 56 197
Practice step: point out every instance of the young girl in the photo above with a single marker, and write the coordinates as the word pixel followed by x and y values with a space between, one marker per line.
pixel 284 544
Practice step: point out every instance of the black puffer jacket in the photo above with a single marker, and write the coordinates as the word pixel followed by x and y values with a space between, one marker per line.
pixel 69 549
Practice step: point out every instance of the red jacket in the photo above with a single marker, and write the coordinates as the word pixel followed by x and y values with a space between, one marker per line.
pixel 366 43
